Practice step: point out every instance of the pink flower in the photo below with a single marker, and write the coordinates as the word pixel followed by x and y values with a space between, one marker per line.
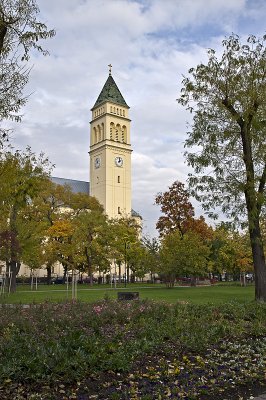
pixel 97 309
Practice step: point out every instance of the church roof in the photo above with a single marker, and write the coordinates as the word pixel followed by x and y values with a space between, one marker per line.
pixel 135 214
pixel 76 186
pixel 110 92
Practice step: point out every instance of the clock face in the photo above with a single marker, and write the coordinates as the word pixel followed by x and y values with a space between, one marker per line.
pixel 97 162
pixel 118 161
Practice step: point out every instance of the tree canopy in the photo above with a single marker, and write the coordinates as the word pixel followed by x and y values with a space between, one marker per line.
pixel 23 176
pixel 176 207
pixel 227 97
pixel 20 32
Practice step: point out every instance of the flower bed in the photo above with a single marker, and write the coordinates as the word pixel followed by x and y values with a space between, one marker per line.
pixel 132 350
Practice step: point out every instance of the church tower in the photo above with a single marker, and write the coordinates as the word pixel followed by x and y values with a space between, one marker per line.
pixel 110 151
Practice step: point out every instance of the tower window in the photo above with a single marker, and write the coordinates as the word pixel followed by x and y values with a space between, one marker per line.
pixel 123 113
pixel 118 210
pixel 118 179
pixel 111 109
pixel 111 130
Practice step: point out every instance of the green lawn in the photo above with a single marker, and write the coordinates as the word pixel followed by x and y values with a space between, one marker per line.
pixel 200 295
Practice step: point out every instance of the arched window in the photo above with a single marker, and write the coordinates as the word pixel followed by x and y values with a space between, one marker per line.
pixel 118 133
pixel 111 109
pixel 103 132
pixel 123 113
pixel 94 136
pixel 112 126
pixel 99 133
pixel 124 134
pixel 117 111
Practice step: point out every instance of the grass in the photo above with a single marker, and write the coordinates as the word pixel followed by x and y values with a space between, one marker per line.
pixel 215 294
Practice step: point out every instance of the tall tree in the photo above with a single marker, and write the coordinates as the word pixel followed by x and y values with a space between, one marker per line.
pixel 176 207
pixel 20 31
pixel 90 239
pixel 46 209
pixel 152 247
pixel 183 255
pixel 76 229
pixel 22 178
pixel 123 233
pixel 230 252
pixel 227 98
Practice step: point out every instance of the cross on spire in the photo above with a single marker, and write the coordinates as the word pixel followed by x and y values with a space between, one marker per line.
pixel 110 69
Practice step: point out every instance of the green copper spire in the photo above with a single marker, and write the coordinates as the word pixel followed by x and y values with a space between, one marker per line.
pixel 110 92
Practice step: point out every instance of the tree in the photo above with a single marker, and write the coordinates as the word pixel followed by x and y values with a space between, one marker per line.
pixel 74 223
pixel 22 177
pixel 199 226
pixel 176 207
pixel 152 261
pixel 31 235
pixel 46 209
pixel 183 255
pixel 124 237
pixel 90 239
pixel 230 253
pixel 227 98
pixel 20 31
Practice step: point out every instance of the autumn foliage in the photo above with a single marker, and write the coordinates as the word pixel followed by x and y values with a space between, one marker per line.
pixel 176 207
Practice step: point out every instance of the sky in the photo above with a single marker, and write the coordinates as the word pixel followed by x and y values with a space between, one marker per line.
pixel 151 45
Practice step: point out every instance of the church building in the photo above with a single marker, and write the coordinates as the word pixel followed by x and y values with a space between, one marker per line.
pixel 110 159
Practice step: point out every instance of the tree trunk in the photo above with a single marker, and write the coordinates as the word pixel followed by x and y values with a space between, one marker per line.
pixel 119 271
pixel 49 274
pixel 12 271
pixel 65 273
pixel 256 242
pixel 259 261
pixel 253 204
pixel 193 281
pixel 90 275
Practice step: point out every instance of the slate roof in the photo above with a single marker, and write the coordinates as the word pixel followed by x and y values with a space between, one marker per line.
pixel 76 186
pixel 135 214
pixel 110 92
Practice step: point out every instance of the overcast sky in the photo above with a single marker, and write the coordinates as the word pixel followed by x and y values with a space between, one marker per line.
pixel 151 44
